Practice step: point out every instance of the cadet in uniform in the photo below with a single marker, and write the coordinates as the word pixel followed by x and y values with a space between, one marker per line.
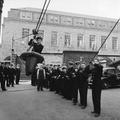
pixel 2 80
pixel 83 85
pixel 63 82
pixel 53 79
pixel 6 74
pixel 76 83
pixel 40 77
pixel 71 76
pixel 97 70
pixel 18 74
pixel 11 75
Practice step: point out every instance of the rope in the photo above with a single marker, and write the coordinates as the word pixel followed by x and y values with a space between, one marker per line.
pixel 105 39
pixel 39 22
pixel 44 14
pixel 40 15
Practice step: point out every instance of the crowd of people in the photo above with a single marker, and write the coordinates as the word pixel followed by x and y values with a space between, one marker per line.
pixel 67 81
pixel 9 75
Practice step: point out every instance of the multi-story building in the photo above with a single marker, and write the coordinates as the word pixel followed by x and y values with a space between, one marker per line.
pixel 61 31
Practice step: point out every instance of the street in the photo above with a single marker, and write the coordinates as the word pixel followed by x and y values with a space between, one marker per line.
pixel 23 102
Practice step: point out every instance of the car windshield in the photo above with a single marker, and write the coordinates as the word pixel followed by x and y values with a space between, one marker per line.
pixel 108 71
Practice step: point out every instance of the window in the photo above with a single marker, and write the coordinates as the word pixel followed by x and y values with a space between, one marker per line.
pixel 92 44
pixel 78 22
pixel 66 20
pixel 102 40
pixel 67 39
pixel 114 43
pixel 26 15
pixel 80 41
pixel 25 34
pixel 53 19
pixel 54 38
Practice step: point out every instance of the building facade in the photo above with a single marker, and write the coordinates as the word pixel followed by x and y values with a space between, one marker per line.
pixel 60 31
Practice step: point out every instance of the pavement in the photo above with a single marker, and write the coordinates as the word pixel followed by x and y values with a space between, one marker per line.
pixel 23 102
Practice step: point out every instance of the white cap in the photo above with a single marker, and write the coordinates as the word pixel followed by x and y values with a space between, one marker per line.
pixel 39 65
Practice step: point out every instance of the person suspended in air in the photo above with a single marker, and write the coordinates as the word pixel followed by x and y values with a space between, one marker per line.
pixel 36 44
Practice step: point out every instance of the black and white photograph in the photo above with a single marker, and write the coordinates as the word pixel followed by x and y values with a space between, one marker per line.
pixel 59 59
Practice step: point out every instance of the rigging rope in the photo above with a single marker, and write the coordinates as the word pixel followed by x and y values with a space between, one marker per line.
pixel 43 15
pixel 105 39
pixel 40 15
pixel 39 21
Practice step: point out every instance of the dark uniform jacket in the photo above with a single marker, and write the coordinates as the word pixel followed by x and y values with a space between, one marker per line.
pixel 40 76
pixel 71 72
pixel 96 75
pixel 6 72
pixel 36 47
pixel 1 73
pixel 11 73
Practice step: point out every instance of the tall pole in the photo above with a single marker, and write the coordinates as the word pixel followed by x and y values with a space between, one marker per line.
pixel 1 6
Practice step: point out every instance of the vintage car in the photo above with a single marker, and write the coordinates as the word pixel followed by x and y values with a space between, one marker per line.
pixel 110 78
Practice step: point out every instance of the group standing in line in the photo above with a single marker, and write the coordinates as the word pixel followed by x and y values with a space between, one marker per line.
pixel 9 75
pixel 68 81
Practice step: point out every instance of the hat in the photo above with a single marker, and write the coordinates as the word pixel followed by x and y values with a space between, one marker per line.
pixel 96 61
pixel 64 67
pixel 39 38
pixel 77 62
pixel 39 65
pixel 70 63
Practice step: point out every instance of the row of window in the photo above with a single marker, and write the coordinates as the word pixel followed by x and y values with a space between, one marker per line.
pixel 67 40
pixel 81 42
pixel 68 20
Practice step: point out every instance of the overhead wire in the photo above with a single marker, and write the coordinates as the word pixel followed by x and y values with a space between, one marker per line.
pixel 39 21
pixel 105 39
pixel 44 14
pixel 40 15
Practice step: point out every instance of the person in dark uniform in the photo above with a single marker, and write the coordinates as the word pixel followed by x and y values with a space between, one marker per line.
pixel 33 78
pixel 54 75
pixel 2 80
pixel 48 76
pixel 81 85
pixel 71 76
pixel 40 77
pixel 75 83
pixel 57 81
pixel 63 82
pixel 46 85
pixel 6 74
pixel 18 74
pixel 12 75
pixel 97 70
pixel 36 44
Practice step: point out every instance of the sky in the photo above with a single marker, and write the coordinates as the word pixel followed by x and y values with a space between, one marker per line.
pixel 102 8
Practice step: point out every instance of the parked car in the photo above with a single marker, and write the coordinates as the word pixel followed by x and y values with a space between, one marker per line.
pixel 110 78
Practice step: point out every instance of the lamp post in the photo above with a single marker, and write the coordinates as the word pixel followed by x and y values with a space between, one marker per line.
pixel 1 6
